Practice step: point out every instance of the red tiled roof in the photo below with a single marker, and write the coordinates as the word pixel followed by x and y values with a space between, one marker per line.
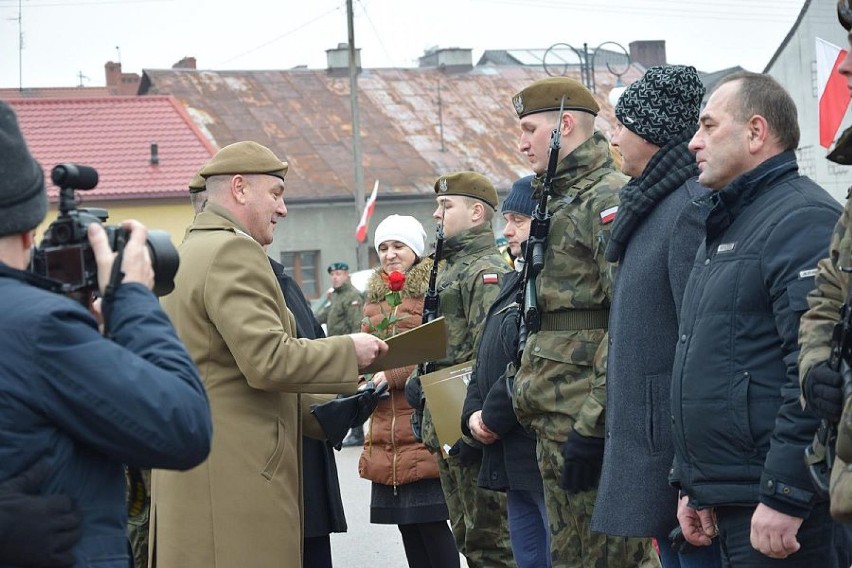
pixel 114 135
pixel 53 93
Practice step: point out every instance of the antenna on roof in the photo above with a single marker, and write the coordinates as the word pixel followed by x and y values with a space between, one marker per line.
pixel 81 77
pixel 118 54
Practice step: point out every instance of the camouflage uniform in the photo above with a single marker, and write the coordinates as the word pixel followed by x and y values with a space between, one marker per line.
pixel 138 512
pixel 344 312
pixel 478 517
pixel 561 383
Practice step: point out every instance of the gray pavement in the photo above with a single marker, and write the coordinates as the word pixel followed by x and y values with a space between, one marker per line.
pixel 365 545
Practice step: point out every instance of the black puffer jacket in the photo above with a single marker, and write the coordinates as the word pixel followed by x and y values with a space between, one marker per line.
pixel 509 463
pixel 738 426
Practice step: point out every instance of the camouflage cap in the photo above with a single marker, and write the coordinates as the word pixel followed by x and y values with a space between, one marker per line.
pixel 844 13
pixel 469 184
pixel 547 94
pixel 244 158
pixel 197 184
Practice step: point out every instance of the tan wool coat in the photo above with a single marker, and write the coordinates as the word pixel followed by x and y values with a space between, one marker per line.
pixel 243 506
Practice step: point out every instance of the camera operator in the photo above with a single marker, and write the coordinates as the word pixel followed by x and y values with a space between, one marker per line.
pixel 73 403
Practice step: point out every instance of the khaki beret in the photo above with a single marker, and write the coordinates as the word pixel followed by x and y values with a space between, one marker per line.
pixel 547 94
pixel 197 184
pixel 469 184
pixel 244 158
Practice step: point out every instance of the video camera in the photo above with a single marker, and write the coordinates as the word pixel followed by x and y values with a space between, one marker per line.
pixel 65 255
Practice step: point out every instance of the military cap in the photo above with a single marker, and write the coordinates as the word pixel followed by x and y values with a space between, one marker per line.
pixel 469 184
pixel 197 184
pixel 337 266
pixel 844 14
pixel 244 158
pixel 547 94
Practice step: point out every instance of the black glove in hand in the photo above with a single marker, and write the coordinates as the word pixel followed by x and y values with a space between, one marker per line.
pixel 414 393
pixel 338 416
pixel 823 390
pixel 36 530
pixel 583 461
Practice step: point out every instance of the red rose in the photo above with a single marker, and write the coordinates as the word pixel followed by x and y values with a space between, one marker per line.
pixel 396 280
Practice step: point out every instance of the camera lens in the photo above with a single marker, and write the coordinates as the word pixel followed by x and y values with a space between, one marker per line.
pixel 165 261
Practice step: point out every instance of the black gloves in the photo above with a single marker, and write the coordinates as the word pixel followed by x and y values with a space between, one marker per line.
pixel 36 530
pixel 467 454
pixel 583 461
pixel 414 393
pixel 338 416
pixel 823 390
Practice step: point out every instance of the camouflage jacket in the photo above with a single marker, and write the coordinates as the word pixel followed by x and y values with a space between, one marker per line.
pixel 345 311
pixel 824 301
pixel 467 287
pixel 561 382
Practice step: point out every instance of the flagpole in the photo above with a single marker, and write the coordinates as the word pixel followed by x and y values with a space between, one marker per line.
pixel 361 248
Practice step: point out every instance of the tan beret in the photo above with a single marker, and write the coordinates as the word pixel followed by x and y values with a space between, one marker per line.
pixel 197 184
pixel 547 94
pixel 244 158
pixel 469 184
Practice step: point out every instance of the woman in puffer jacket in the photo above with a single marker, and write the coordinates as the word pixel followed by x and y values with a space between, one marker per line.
pixel 406 489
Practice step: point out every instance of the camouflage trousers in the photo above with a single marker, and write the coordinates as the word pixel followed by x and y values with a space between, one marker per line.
pixel 572 543
pixel 478 516
pixel 138 513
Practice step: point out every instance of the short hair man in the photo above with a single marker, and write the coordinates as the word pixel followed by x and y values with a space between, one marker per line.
pixel 654 239
pixel 73 400
pixel 345 309
pixel 467 286
pixel 560 386
pixel 822 385
pixel 242 506
pixel 739 428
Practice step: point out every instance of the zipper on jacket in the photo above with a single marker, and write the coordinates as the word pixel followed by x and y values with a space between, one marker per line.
pixel 393 446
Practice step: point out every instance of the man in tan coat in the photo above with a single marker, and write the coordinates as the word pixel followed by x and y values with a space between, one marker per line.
pixel 242 507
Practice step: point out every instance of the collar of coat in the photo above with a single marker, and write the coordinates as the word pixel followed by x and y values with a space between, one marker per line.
pixel 416 282
pixel 216 218
pixel 587 157
pixel 470 241
pixel 346 287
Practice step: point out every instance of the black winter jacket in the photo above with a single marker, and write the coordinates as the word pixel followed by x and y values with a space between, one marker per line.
pixel 738 426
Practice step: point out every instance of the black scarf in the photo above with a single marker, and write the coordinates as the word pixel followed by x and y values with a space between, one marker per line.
pixel 667 170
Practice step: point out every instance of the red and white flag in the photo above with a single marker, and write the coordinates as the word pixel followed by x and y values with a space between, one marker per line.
pixel 361 229
pixel 833 94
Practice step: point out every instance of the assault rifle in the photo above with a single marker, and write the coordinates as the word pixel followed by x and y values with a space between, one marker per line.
pixel 530 320
pixel 431 306
pixel 819 456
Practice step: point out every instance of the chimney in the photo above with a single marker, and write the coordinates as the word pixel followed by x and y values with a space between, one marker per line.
pixel 185 63
pixel 155 154
pixel 112 71
pixel 648 53
pixel 338 59
pixel 450 60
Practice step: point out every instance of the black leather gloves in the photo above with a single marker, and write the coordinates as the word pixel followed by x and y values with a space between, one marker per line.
pixel 36 530
pixel 337 416
pixel 583 461
pixel 823 390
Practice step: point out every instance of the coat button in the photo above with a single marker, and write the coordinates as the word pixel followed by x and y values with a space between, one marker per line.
pixel 537 349
pixel 683 338
pixel 706 261
pixel 770 484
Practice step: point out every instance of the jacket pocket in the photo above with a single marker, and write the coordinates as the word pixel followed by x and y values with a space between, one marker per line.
pixel 275 459
pixel 738 409
pixel 655 410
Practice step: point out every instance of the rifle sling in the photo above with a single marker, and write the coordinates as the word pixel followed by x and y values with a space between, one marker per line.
pixel 573 320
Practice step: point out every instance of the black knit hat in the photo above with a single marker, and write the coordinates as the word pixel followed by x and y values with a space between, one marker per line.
pixel 665 102
pixel 23 199
pixel 520 199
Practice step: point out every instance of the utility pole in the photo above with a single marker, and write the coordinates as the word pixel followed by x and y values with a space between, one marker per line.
pixel 20 46
pixel 361 250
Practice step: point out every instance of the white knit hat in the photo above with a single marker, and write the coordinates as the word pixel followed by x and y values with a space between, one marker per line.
pixel 402 228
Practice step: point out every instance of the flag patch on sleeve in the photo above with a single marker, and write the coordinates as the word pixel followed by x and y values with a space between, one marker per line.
pixel 490 278
pixel 607 215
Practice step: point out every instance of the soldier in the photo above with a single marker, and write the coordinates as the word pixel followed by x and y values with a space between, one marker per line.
pixel 342 315
pixel 822 386
pixel 560 384
pixel 467 286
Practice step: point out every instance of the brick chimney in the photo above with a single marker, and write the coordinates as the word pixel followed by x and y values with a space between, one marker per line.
pixel 648 53
pixel 118 83
pixel 185 63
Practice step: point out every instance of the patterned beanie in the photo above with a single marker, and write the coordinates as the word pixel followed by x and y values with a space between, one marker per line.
pixel 23 199
pixel 665 102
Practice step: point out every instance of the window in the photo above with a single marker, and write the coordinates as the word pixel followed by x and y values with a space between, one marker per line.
pixel 303 267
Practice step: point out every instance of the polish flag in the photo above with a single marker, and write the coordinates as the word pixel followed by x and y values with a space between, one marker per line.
pixel 361 229
pixel 833 93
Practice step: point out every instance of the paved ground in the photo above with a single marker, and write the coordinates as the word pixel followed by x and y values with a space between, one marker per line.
pixel 365 545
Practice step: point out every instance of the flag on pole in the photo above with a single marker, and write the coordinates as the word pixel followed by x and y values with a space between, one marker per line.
pixel 833 94
pixel 361 229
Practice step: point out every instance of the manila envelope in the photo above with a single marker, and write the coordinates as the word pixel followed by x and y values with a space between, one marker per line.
pixel 427 342
pixel 445 393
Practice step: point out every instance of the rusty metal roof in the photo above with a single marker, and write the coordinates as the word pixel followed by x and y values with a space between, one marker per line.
pixel 304 116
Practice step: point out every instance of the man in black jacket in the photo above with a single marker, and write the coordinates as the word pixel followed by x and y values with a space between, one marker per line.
pixel 738 426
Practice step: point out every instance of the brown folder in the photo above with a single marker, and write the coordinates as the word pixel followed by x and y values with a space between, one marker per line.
pixel 427 342
pixel 445 392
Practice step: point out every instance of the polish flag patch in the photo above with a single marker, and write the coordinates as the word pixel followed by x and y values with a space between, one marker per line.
pixel 607 215
pixel 490 278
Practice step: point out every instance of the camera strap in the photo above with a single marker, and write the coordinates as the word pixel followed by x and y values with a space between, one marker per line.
pixel 115 277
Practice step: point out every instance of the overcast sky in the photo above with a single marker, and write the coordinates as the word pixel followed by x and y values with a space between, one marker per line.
pixel 65 38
